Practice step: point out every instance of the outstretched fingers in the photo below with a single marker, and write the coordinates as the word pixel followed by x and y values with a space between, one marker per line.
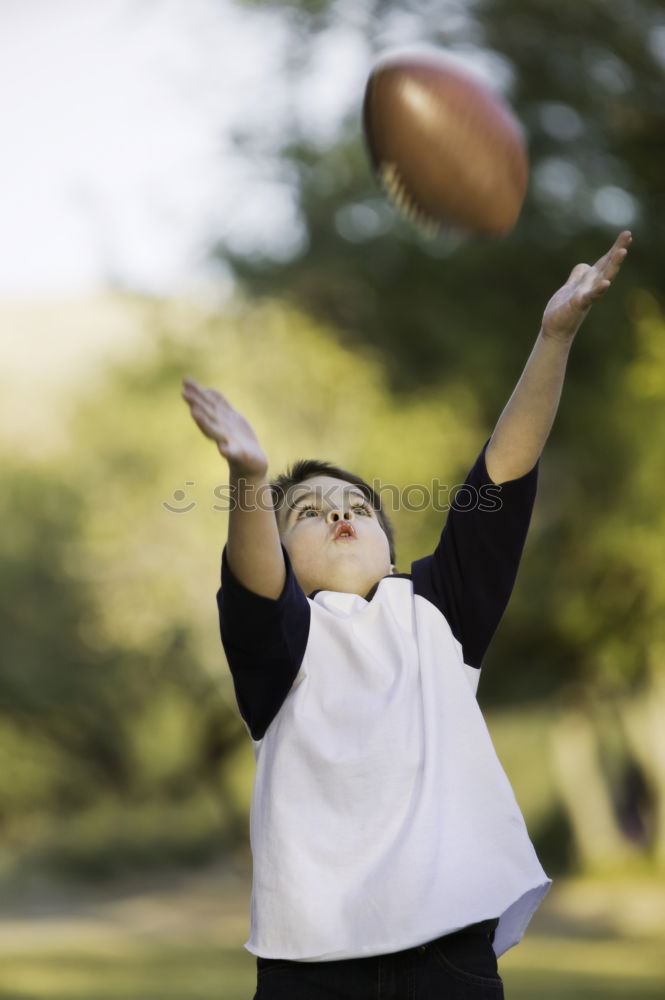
pixel 208 400
pixel 609 264
pixel 204 405
pixel 193 390
pixel 218 420
pixel 594 281
pixel 567 308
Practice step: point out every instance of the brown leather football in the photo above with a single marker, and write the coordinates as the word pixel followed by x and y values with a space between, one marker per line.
pixel 447 149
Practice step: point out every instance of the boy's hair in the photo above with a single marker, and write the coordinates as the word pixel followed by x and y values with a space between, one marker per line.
pixel 307 468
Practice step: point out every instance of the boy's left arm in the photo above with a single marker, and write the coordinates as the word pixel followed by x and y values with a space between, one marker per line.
pixel 524 426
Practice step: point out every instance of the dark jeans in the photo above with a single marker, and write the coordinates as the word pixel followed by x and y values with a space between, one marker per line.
pixel 460 966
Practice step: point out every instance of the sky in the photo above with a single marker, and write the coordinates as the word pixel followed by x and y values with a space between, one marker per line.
pixel 119 117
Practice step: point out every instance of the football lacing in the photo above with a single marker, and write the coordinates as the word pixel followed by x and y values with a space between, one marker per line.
pixel 396 191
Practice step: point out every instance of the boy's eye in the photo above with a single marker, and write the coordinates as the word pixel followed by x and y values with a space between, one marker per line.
pixel 307 512
pixel 310 511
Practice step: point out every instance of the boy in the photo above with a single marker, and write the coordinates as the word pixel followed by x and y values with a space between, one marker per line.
pixel 390 857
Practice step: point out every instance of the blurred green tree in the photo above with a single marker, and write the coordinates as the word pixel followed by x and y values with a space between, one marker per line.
pixel 89 717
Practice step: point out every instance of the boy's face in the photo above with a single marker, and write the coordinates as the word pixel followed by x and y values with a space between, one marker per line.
pixel 333 536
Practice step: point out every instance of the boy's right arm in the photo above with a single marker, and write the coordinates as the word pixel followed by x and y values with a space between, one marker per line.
pixel 264 616
pixel 254 549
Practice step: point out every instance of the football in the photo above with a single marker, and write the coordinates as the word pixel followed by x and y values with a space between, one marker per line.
pixel 448 151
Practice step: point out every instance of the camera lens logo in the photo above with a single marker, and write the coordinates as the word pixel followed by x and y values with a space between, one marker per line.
pixel 179 496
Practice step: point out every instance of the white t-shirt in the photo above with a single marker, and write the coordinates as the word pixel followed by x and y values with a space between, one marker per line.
pixel 381 817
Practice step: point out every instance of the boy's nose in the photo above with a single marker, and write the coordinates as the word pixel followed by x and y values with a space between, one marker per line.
pixel 337 514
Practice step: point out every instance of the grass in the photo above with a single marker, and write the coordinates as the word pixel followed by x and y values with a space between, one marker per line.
pixel 553 968
pixel 541 968
pixel 161 973
pixel 179 937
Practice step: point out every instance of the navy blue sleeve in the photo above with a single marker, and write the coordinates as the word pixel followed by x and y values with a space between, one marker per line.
pixel 472 572
pixel 264 641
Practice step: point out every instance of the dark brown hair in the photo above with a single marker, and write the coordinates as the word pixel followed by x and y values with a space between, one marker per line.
pixel 307 468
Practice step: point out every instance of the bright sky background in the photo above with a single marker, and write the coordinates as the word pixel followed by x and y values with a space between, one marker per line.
pixel 117 134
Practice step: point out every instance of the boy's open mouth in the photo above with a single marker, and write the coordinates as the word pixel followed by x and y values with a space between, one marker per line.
pixel 344 530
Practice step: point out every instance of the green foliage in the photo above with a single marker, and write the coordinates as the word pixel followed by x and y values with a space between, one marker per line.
pixel 115 835
pixel 88 710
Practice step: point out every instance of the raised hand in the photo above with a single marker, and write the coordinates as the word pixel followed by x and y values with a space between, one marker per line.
pixel 568 307
pixel 234 436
